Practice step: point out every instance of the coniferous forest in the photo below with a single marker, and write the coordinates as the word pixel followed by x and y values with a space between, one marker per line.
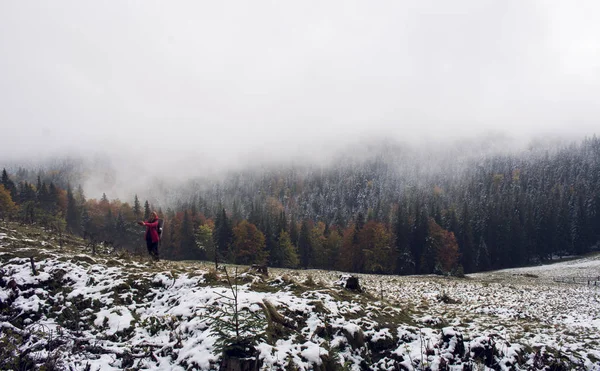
pixel 390 212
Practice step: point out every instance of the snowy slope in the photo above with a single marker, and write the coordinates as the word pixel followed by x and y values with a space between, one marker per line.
pixel 115 312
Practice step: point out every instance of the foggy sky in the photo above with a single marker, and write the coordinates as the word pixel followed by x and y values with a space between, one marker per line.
pixel 196 82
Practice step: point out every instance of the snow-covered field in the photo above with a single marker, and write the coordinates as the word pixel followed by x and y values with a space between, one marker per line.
pixel 114 312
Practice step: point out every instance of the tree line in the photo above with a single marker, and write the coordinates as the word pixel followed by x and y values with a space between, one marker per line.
pixel 496 212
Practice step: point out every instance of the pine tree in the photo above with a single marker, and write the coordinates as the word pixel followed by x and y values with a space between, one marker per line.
pixel 405 263
pixel 188 242
pixel 332 248
pixel 289 256
pixel 137 208
pixel 222 235
pixel 73 217
pixel 80 196
pixel 419 238
pixel 53 196
pixel 9 185
pixel 465 239
pixel 146 210
pixel 304 247
pixel 294 231
pixel 42 196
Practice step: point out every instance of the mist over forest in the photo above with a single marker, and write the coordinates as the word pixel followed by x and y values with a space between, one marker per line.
pixel 469 206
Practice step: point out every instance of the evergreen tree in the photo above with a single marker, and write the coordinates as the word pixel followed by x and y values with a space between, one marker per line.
pixel 80 196
pixel 294 231
pixel 137 208
pixel 146 210
pixel 405 263
pixel 289 256
pixel 419 239
pixel 465 239
pixel 9 185
pixel 222 235
pixel 304 247
pixel 188 241
pixel 53 197
pixel 332 245
pixel 73 217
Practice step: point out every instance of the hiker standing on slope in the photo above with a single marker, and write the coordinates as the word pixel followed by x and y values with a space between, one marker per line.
pixel 151 235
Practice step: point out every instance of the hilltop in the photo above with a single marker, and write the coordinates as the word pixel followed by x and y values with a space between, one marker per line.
pixel 113 311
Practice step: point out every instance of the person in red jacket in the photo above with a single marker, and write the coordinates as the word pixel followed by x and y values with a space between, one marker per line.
pixel 151 235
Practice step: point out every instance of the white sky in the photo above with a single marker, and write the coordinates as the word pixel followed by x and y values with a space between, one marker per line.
pixel 221 80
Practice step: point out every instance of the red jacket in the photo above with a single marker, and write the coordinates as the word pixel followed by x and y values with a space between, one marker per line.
pixel 152 228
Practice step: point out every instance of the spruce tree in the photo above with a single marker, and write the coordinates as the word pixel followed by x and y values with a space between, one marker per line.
pixel 146 210
pixel 304 246
pixel 187 240
pixel 137 208
pixel 405 263
pixel 9 185
pixel 222 235
pixel 293 231
pixel 73 217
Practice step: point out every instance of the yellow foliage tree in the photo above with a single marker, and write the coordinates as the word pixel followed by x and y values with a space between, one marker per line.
pixel 7 206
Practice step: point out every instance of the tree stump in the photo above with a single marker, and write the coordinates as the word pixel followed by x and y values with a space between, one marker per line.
pixel 349 282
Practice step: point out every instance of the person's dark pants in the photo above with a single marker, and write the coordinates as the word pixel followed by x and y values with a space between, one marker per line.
pixel 152 249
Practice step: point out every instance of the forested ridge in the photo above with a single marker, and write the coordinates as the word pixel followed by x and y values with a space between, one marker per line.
pixel 392 211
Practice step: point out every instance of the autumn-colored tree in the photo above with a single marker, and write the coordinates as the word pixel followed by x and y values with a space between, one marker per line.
pixel 248 244
pixel 375 241
pixel 7 206
pixel 447 254
pixel 204 241
pixel 442 248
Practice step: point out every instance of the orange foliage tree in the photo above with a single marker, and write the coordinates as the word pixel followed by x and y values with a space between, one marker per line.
pixel 248 244
pixel 442 245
